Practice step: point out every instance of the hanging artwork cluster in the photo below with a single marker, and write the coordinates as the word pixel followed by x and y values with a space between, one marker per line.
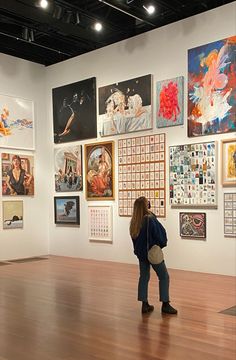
pixel 193 175
pixel 142 172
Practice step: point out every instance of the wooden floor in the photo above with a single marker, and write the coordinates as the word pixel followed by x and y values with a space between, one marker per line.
pixel 73 309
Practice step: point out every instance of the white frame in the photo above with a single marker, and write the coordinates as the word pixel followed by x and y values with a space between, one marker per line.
pixel 10 142
pixel 97 237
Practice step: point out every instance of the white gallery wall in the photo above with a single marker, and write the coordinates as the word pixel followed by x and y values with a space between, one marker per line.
pixel 23 79
pixel 163 53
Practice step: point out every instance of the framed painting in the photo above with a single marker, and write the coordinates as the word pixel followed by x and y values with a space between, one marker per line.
pixel 170 102
pixel 192 225
pixel 17 174
pixel 12 214
pixel 193 175
pixel 211 88
pixel 67 210
pixel 100 223
pixel 99 171
pixel 16 123
pixel 230 215
pixel 126 106
pixel 74 111
pixel 228 162
pixel 142 172
pixel 68 168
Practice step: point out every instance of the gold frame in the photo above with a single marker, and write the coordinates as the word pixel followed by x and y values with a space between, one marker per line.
pixel 88 149
pixel 224 176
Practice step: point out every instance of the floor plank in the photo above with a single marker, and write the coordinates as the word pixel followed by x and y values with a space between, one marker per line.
pixel 69 309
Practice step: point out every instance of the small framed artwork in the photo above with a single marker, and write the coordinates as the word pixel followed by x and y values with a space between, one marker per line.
pixel 192 225
pixel 230 215
pixel 99 171
pixel 66 210
pixel 228 162
pixel 100 223
pixel 12 214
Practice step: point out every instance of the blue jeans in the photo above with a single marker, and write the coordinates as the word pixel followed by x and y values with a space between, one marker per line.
pixel 163 276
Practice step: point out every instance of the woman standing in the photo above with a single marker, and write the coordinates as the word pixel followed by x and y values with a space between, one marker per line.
pixel 142 218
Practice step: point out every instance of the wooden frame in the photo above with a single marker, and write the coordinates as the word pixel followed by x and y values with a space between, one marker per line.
pixel 192 225
pixel 228 162
pixel 100 223
pixel 66 210
pixel 99 171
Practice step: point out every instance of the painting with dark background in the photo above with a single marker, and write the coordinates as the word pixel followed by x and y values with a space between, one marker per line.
pixel 74 111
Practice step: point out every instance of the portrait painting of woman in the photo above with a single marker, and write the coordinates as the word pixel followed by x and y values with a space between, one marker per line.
pixel 19 179
pixel 99 171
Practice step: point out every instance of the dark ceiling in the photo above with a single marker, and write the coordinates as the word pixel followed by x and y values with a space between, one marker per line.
pixel 65 28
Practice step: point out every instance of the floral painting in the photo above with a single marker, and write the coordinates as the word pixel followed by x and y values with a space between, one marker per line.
pixel 211 88
pixel 169 101
pixel 99 171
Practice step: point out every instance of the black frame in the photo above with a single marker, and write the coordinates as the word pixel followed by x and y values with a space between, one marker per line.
pixel 64 199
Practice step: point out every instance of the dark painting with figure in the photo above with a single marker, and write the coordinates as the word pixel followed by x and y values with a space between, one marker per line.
pixel 74 111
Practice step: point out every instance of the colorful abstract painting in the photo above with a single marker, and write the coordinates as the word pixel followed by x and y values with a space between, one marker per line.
pixel 16 123
pixel 212 88
pixel 126 106
pixel 169 101
pixel 192 225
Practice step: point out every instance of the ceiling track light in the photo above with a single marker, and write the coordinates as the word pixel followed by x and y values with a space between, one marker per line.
pixel 150 9
pixel 43 4
pixel 127 13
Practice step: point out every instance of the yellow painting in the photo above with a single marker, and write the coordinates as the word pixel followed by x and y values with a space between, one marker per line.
pixel 228 162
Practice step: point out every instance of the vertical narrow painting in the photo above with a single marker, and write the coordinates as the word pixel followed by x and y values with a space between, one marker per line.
pixel 230 214
pixel 67 210
pixel 68 168
pixel 126 106
pixel 74 111
pixel 212 88
pixel 169 99
pixel 99 171
pixel 16 123
pixel 228 162
pixel 192 225
pixel 17 174
pixel 100 223
pixel 12 214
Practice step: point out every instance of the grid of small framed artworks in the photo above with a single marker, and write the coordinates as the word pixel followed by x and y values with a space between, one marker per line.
pixel 142 173
pixel 230 214
pixel 193 175
pixel 100 223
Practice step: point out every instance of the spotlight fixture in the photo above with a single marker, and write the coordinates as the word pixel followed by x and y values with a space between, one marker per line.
pixel 31 35
pixel 57 12
pixel 44 4
pixel 25 34
pixel 98 26
pixel 77 18
pixel 68 16
pixel 150 9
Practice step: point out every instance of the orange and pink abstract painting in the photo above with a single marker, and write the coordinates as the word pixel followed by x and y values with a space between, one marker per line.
pixel 212 88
